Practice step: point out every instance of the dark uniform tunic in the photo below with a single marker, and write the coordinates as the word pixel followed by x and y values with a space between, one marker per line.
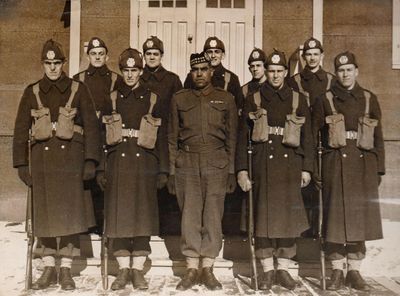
pixel 202 138
pixel 279 209
pixel 60 206
pixel 314 84
pixel 350 174
pixel 131 170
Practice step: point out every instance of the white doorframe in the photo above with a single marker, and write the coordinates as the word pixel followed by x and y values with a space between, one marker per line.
pixel 318 19
pixel 258 23
pixel 74 37
pixel 134 24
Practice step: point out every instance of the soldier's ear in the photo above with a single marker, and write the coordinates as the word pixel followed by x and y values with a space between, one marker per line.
pixel 107 57
pixel 356 72
pixel 285 72
pixel 222 56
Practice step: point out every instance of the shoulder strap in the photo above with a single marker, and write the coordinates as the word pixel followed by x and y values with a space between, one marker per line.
pixel 227 78
pixel 367 99
pixel 153 101
pixel 329 77
pixel 36 93
pixel 297 78
pixel 257 99
pixel 113 80
pixel 113 97
pixel 74 89
pixel 295 102
pixel 82 76
pixel 329 97
pixel 245 90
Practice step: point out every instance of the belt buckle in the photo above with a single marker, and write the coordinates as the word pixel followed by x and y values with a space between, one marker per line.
pixel 276 130
pixel 53 126
pixel 130 133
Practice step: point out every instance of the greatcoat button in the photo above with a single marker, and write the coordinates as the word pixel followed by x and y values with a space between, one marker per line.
pixel 344 155
pixel 46 148
pixel 271 156
pixel 285 155
pixel 137 154
pixel 123 125
pixel 270 141
pixel 62 146
pixel 123 154
pixel 124 139
pixel 361 155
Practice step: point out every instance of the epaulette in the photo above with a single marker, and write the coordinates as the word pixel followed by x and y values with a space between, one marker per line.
pixel 32 84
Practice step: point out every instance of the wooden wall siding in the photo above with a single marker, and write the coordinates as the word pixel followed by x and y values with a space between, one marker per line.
pixel 365 27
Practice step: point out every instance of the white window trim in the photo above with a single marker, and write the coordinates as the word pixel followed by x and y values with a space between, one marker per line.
pixel 74 37
pixel 318 19
pixel 396 35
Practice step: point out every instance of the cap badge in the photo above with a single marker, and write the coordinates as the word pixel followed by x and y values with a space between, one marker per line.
pixel 255 54
pixel 343 60
pixel 312 44
pixel 276 59
pixel 213 43
pixel 96 43
pixel 130 62
pixel 51 54
pixel 149 43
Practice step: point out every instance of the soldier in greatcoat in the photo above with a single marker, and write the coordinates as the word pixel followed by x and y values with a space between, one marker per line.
pixel 353 161
pixel 100 81
pixel 133 170
pixel 312 81
pixel 281 166
pixel 201 139
pixel 64 152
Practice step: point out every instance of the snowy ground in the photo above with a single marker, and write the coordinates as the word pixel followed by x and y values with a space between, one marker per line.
pixel 383 259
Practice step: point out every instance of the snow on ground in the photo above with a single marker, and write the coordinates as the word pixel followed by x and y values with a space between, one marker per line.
pixel 383 259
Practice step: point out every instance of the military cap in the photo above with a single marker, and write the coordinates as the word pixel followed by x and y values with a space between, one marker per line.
pixel 213 42
pixel 96 42
pixel 311 44
pixel 198 58
pixel 52 50
pixel 130 58
pixel 153 43
pixel 345 58
pixel 276 58
pixel 256 55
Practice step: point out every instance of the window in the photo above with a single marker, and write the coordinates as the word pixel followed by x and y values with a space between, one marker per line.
pixel 396 35
pixel 168 3
pixel 225 4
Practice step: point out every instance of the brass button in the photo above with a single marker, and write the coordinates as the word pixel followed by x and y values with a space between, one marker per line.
pixel 123 154
pixel 285 155
pixel 271 156
pixel 344 155
pixel 137 154
pixel 62 146
pixel 123 125
pixel 46 148
pixel 361 156
pixel 124 140
pixel 270 142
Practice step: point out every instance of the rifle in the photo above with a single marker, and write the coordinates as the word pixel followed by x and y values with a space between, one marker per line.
pixel 321 214
pixel 29 224
pixel 104 239
pixel 250 229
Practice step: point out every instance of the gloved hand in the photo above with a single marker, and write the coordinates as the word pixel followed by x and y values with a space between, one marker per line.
pixel 231 185
pixel 101 180
pixel 171 184
pixel 244 181
pixel 305 179
pixel 162 180
pixel 23 174
pixel 89 170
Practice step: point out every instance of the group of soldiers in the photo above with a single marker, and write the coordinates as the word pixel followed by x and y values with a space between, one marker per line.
pixel 131 134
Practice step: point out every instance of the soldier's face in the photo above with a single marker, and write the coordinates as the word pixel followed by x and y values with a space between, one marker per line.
pixel 276 75
pixel 216 55
pixel 97 57
pixel 152 57
pixel 201 74
pixel 131 75
pixel 257 69
pixel 53 68
pixel 347 75
pixel 313 57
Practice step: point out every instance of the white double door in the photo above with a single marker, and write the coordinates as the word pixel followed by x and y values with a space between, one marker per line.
pixel 184 30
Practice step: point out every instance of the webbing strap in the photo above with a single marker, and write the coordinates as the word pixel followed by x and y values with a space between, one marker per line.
pixel 367 99
pixel 257 99
pixel 227 78
pixel 329 97
pixel 297 78
pixel 82 76
pixel 36 93
pixel 113 80
pixel 153 101
pixel 245 90
pixel 113 97
pixel 74 89
pixel 295 102
pixel 329 77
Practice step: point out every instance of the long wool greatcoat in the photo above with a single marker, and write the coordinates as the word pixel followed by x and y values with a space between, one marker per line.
pixel 131 171
pixel 60 205
pixel 350 174
pixel 279 208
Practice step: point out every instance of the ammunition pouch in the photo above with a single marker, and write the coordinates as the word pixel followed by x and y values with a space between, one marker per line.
pixel 148 131
pixel 41 128
pixel 260 127
pixel 336 131
pixel 65 123
pixel 366 129
pixel 292 131
pixel 113 125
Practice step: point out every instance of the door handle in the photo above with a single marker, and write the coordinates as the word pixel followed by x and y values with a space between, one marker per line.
pixel 190 38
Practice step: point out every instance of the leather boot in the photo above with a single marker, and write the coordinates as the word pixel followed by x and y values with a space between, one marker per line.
pixel 188 280
pixel 48 277
pixel 354 280
pixel 209 280
pixel 65 279
pixel 284 279
pixel 138 280
pixel 337 280
pixel 266 280
pixel 122 279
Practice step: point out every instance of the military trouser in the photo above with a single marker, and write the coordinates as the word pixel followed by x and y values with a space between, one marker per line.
pixel 201 180
pixel 279 247
pixel 64 246
pixel 135 246
pixel 350 250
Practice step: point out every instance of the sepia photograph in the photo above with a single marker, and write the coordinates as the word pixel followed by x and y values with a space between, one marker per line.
pixel 199 147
